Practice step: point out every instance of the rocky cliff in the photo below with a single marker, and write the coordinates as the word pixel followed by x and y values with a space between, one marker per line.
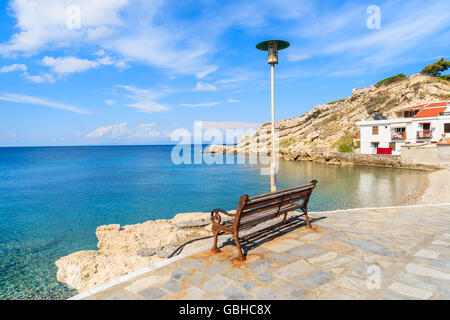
pixel 322 129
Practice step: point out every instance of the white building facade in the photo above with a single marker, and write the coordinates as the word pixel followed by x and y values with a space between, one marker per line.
pixel 424 123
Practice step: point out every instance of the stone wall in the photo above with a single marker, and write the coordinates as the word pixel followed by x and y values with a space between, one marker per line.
pixel 379 160
pixel 427 154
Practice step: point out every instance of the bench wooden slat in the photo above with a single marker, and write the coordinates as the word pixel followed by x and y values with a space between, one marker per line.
pixel 254 214
pixel 286 196
pixel 274 202
pixel 267 216
pixel 276 193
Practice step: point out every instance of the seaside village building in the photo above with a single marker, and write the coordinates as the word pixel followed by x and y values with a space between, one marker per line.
pixel 426 123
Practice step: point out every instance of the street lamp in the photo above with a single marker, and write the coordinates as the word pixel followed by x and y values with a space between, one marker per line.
pixel 272 47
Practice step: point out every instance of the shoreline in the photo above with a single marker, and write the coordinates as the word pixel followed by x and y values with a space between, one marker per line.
pixel 416 196
pixel 333 158
pixel 438 188
pixel 433 189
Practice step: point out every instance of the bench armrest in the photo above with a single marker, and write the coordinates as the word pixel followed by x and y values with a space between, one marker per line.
pixel 215 215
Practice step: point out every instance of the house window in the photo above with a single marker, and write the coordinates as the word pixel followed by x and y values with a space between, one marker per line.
pixel 446 127
pixel 400 130
pixel 375 130
pixel 411 113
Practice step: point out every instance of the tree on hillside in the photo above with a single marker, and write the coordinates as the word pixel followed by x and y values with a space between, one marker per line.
pixel 435 69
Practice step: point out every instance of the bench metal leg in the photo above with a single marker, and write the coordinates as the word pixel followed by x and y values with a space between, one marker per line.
pixel 214 248
pixel 238 245
pixel 307 220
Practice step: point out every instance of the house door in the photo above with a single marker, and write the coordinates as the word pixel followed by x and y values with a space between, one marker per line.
pixel 374 146
pixel 392 146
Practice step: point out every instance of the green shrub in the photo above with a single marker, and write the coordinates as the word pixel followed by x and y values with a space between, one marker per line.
pixel 336 101
pixel 390 80
pixel 436 68
pixel 287 142
pixel 346 144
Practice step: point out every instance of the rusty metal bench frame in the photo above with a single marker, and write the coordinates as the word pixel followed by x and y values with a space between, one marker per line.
pixel 252 211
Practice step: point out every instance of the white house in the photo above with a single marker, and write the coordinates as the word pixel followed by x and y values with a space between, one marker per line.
pixel 424 123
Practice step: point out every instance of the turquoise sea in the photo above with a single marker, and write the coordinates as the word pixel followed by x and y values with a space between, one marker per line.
pixel 53 198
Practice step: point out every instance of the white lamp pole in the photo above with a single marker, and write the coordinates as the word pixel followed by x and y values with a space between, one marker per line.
pixel 273 180
pixel 272 47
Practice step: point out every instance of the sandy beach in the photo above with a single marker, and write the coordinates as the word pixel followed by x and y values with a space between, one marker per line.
pixel 434 188
pixel 438 189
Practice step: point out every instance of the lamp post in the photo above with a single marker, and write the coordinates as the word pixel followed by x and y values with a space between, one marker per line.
pixel 272 47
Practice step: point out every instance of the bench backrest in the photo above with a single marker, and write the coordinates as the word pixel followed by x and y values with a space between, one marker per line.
pixel 254 210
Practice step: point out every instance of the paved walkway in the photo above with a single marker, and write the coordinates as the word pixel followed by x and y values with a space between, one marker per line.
pixel 392 253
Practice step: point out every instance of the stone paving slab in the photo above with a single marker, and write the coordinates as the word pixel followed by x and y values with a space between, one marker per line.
pixel 390 253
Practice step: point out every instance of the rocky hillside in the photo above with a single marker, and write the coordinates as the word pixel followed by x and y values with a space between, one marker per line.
pixel 328 126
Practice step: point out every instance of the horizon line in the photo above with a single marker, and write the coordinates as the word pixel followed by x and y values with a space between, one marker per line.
pixel 108 145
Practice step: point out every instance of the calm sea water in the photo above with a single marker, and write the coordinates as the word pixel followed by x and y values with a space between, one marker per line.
pixel 52 199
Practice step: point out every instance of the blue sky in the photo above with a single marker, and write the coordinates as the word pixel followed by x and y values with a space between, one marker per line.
pixel 132 71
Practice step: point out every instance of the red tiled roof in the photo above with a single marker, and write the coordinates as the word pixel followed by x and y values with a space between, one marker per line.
pixel 438 104
pixel 429 112
pixel 426 105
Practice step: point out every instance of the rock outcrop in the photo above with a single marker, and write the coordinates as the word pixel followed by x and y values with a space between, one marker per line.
pixel 124 249
pixel 316 134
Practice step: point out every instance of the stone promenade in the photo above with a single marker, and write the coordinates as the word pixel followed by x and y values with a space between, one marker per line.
pixel 386 253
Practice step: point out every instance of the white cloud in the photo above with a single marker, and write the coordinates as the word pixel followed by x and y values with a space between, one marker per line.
pixel 145 130
pixel 43 24
pixel 120 130
pixel 149 106
pixel 19 98
pixel 208 70
pixel 243 76
pixel 194 105
pixel 13 67
pixel 67 65
pixel 297 57
pixel 38 78
pixel 106 61
pixel 110 102
pixel 145 100
pixel 111 131
pixel 201 86
pixel 134 30
pixel 229 100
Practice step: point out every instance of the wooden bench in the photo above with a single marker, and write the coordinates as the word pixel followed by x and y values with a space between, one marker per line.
pixel 252 211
